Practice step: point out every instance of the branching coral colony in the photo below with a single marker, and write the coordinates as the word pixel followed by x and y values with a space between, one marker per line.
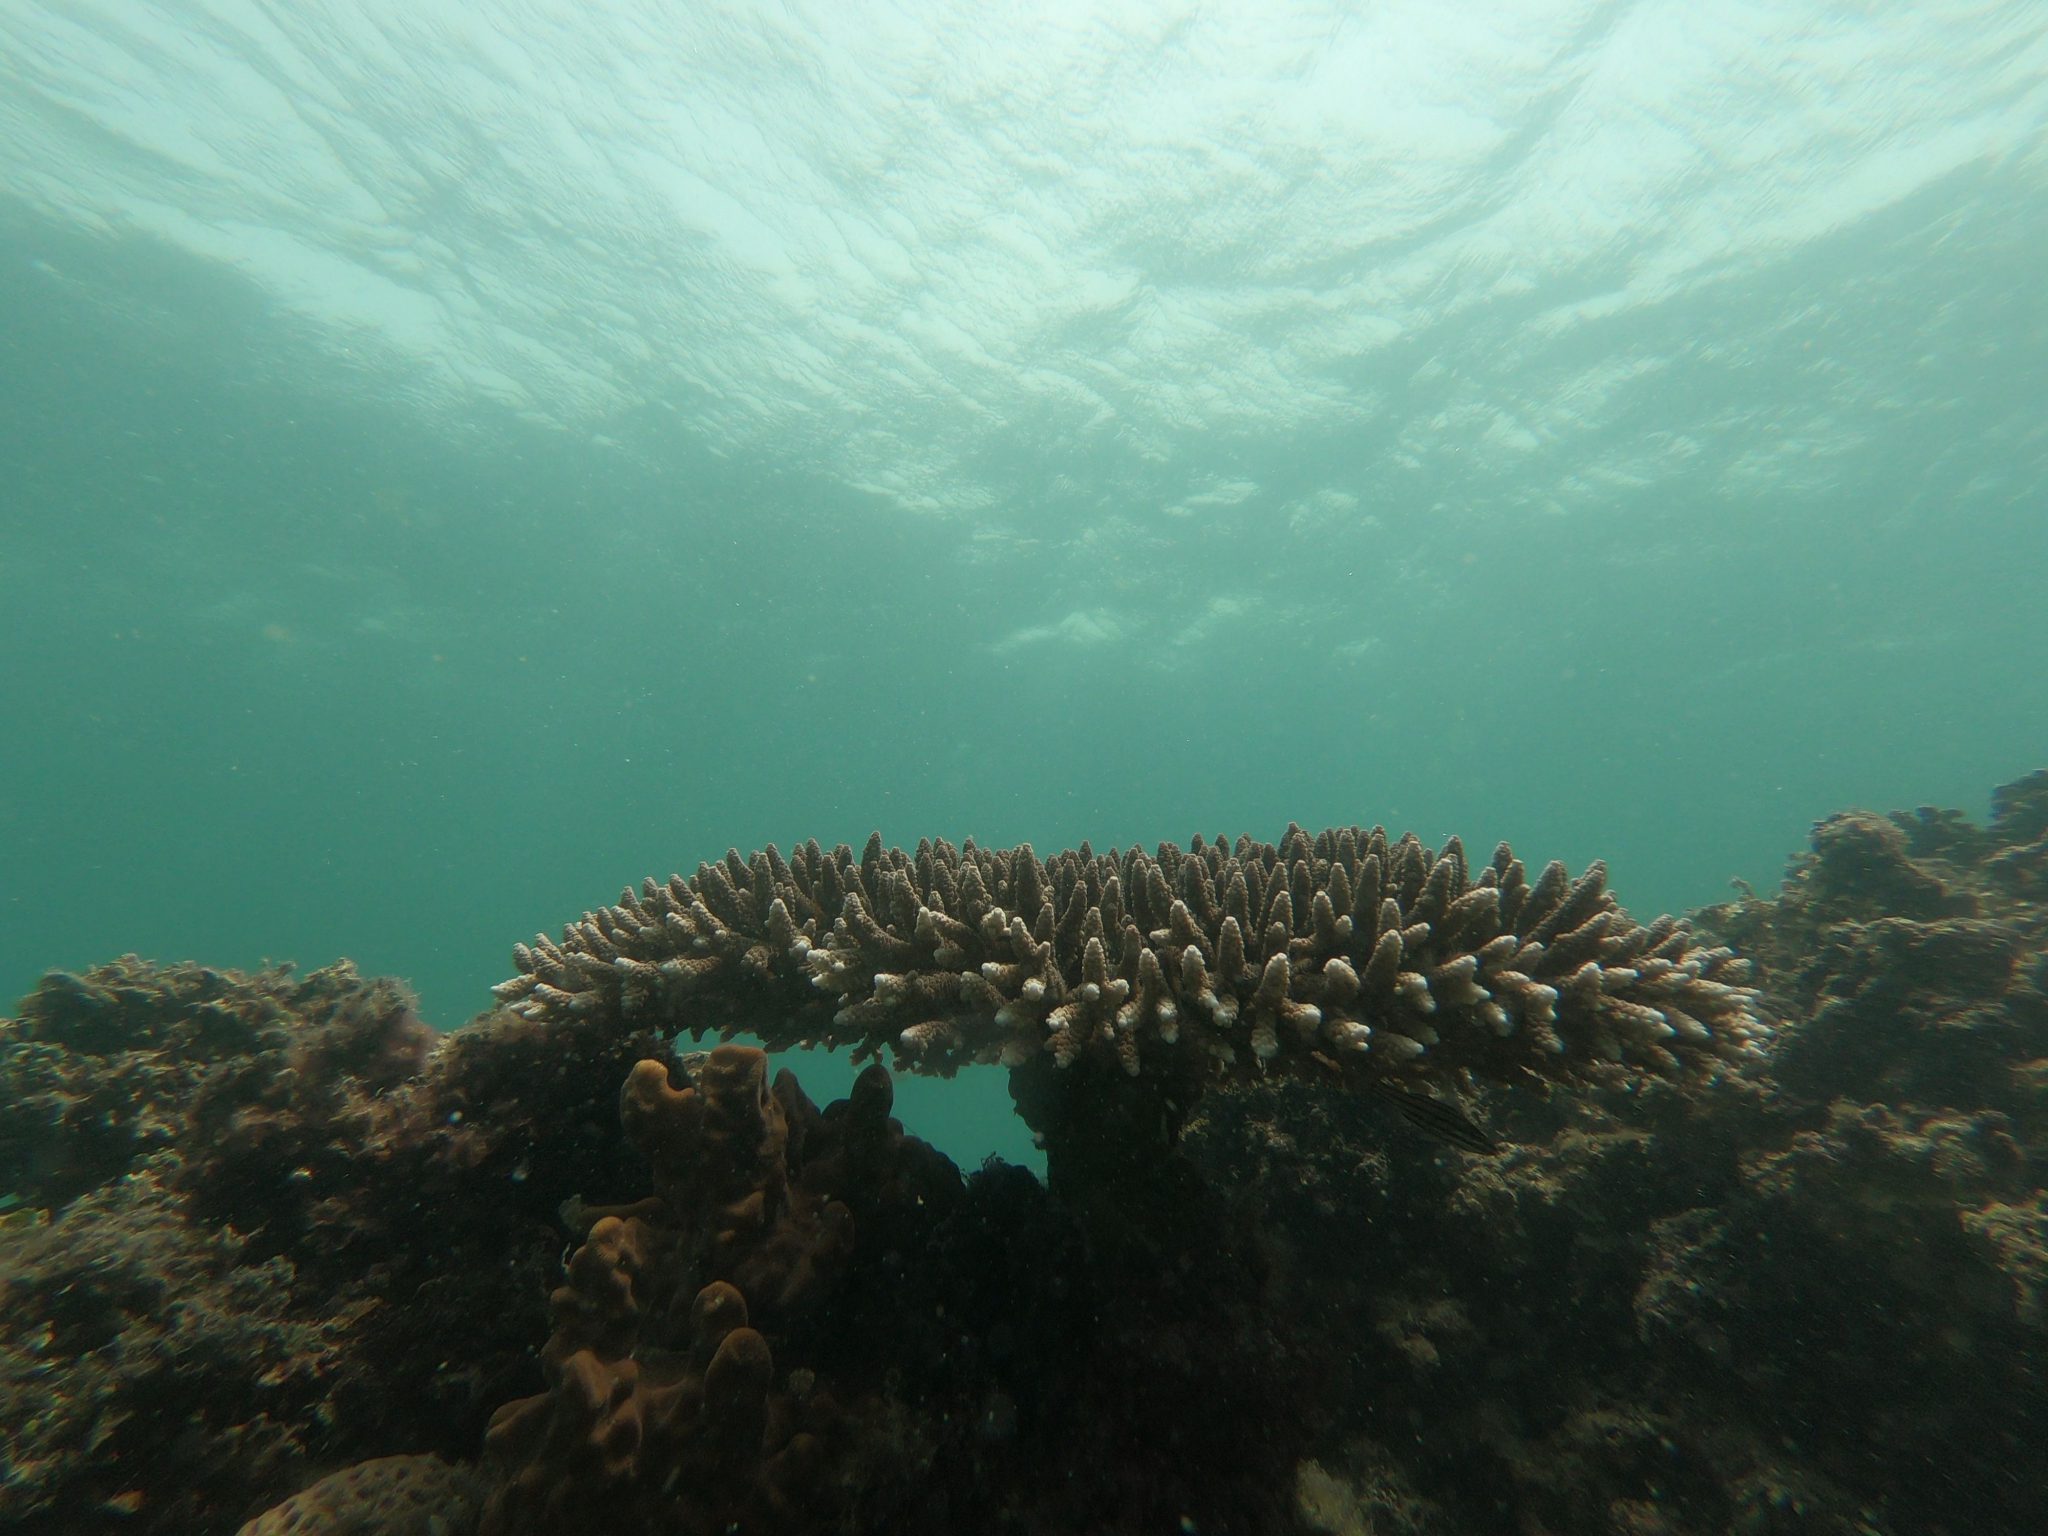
pixel 1342 953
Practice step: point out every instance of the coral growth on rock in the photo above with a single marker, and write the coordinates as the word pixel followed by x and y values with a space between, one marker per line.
pixel 1913 950
pixel 275 1229
pixel 104 1070
pixel 323 1232
pixel 390 1496
pixel 816 1325
pixel 1342 952
pixel 1808 1300
pixel 149 1376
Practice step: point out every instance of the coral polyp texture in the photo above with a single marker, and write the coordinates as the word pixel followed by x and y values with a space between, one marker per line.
pixel 1343 951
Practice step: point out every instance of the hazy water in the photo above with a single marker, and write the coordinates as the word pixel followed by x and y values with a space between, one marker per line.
pixel 456 459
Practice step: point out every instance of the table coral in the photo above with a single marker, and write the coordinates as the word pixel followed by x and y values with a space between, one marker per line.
pixel 1343 952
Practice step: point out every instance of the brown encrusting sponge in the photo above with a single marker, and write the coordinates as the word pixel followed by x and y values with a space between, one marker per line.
pixel 670 1404
pixel 1343 951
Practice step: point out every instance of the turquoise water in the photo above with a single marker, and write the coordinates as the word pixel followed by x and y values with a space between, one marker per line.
pixel 456 460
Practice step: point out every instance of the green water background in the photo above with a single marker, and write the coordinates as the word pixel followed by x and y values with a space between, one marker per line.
pixel 301 661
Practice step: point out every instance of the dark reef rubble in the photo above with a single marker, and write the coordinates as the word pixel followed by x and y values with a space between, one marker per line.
pixel 278 1258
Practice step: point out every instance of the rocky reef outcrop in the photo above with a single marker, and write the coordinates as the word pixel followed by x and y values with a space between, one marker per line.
pixel 259 1226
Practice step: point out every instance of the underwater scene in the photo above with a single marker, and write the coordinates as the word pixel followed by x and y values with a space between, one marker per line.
pixel 1152 768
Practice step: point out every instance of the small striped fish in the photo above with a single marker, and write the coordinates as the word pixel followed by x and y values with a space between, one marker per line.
pixel 1438 1118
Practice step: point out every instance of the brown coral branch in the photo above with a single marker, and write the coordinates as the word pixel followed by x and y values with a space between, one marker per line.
pixel 1399 962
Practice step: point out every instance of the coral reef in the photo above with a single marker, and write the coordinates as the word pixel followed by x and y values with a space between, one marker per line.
pixel 104 1070
pixel 147 1373
pixel 1343 953
pixel 1747 1278
pixel 336 1231
pixel 754 1350
pixel 1911 949
pixel 1808 1299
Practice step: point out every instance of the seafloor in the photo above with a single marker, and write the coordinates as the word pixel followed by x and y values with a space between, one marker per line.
pixel 274 1252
